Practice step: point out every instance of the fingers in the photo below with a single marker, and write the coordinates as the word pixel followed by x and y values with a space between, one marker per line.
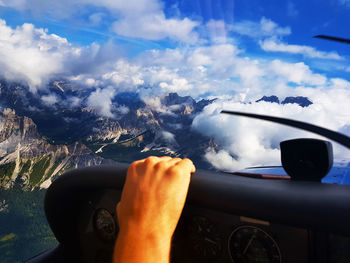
pixel 155 159
pixel 187 165
pixel 133 167
pixel 174 161
pixel 165 158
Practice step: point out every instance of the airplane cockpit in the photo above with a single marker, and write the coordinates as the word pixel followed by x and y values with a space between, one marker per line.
pixel 261 214
pixel 255 93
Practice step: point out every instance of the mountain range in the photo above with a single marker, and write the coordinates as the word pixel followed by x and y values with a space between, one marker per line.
pixel 41 139
pixel 38 142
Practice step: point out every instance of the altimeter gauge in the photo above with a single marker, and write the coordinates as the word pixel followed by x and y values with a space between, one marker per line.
pixel 104 225
pixel 249 244
pixel 205 240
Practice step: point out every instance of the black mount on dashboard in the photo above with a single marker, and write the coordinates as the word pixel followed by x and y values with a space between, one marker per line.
pixel 306 159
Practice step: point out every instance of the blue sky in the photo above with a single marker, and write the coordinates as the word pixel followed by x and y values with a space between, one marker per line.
pixel 305 18
pixel 184 24
pixel 94 23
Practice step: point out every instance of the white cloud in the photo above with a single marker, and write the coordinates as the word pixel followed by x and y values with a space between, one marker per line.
pixel 49 99
pixel 221 160
pixel 248 142
pixel 133 18
pixel 307 51
pixel 157 27
pixel 168 136
pixel 176 85
pixel 154 103
pixel 101 100
pixel 217 31
pixel 121 110
pixel 67 8
pixel 269 35
pixel 146 19
pixel 124 74
pixel 73 102
pixel 96 18
pixel 264 28
pixel 219 70
pixel 296 72
pixel 32 55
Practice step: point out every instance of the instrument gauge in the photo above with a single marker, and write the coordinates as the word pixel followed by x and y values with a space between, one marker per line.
pixel 104 225
pixel 205 240
pixel 249 244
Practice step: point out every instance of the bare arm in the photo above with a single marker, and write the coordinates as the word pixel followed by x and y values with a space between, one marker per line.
pixel 153 197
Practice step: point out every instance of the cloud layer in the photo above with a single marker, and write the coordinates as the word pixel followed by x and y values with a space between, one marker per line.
pixel 246 142
pixel 34 56
pixel 218 68
pixel 275 46
pixel 31 54
pixel 133 18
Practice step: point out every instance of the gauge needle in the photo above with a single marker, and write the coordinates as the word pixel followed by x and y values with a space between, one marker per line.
pixel 210 240
pixel 249 243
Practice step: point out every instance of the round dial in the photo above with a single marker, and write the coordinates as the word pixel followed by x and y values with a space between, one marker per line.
pixel 104 225
pixel 206 242
pixel 249 244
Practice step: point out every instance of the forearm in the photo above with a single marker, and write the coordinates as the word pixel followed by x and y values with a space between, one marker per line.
pixel 133 247
pixel 152 200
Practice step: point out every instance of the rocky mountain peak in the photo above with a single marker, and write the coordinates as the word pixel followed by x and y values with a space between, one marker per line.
pixel 301 101
pixel 174 98
pixel 25 154
pixel 273 99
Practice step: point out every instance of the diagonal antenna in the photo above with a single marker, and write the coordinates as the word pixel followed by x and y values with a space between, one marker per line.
pixel 332 135
pixel 338 39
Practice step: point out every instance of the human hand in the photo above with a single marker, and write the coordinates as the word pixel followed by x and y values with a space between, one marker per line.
pixel 154 195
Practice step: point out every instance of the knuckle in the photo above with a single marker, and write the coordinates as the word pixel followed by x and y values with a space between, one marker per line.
pixel 133 165
pixel 187 160
pixel 160 165
pixel 173 170
pixel 132 168
pixel 150 160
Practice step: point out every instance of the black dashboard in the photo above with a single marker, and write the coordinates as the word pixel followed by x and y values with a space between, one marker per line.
pixel 226 218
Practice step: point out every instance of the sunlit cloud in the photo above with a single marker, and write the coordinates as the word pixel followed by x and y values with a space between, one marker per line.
pixel 157 27
pixel 101 100
pixel 218 68
pixel 143 19
pixel 270 37
pixel 245 142
pixel 264 28
pixel 34 56
pixel 307 51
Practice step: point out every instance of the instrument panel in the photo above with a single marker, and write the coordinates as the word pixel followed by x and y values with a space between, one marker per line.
pixel 202 235
pixel 223 219
pixel 205 235
pixel 252 244
pixel 98 227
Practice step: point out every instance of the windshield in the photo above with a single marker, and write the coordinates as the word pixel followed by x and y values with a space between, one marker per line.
pixel 87 83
